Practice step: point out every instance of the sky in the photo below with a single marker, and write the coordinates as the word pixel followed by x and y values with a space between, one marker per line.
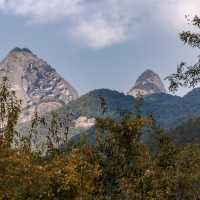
pixel 100 43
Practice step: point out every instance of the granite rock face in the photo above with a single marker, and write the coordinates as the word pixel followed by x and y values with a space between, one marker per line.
pixel 35 82
pixel 148 83
pixel 84 123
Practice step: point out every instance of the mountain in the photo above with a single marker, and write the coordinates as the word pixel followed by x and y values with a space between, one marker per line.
pixel 36 83
pixel 168 110
pixel 147 83
pixel 90 104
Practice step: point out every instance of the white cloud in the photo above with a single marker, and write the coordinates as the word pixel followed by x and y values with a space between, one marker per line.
pixel 98 33
pixel 109 22
pixel 102 23
pixel 43 10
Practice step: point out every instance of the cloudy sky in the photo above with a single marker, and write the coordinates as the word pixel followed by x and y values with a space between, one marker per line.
pixel 100 43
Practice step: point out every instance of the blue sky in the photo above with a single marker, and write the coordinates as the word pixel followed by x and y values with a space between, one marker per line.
pixel 100 43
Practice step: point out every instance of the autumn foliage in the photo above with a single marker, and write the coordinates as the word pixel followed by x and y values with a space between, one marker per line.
pixel 118 167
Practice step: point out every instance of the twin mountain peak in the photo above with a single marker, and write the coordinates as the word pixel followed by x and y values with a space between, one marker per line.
pixel 40 87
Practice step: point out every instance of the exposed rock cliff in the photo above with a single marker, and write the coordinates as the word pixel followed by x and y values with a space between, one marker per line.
pixel 36 83
pixel 148 83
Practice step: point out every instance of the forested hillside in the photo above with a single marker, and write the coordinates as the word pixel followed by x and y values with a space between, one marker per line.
pixel 168 110
pixel 119 166
pixel 188 132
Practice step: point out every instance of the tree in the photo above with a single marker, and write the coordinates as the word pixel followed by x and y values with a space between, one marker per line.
pixel 10 108
pixel 187 75
pixel 125 161
pixel 75 175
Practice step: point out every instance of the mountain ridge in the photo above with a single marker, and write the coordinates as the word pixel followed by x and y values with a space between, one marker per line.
pixel 42 88
pixel 36 82
pixel 168 110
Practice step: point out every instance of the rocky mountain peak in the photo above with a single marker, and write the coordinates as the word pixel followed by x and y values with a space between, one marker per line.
pixel 148 83
pixel 20 50
pixel 36 83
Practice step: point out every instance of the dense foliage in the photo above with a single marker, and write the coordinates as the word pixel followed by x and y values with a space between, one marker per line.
pixel 119 166
pixel 187 133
